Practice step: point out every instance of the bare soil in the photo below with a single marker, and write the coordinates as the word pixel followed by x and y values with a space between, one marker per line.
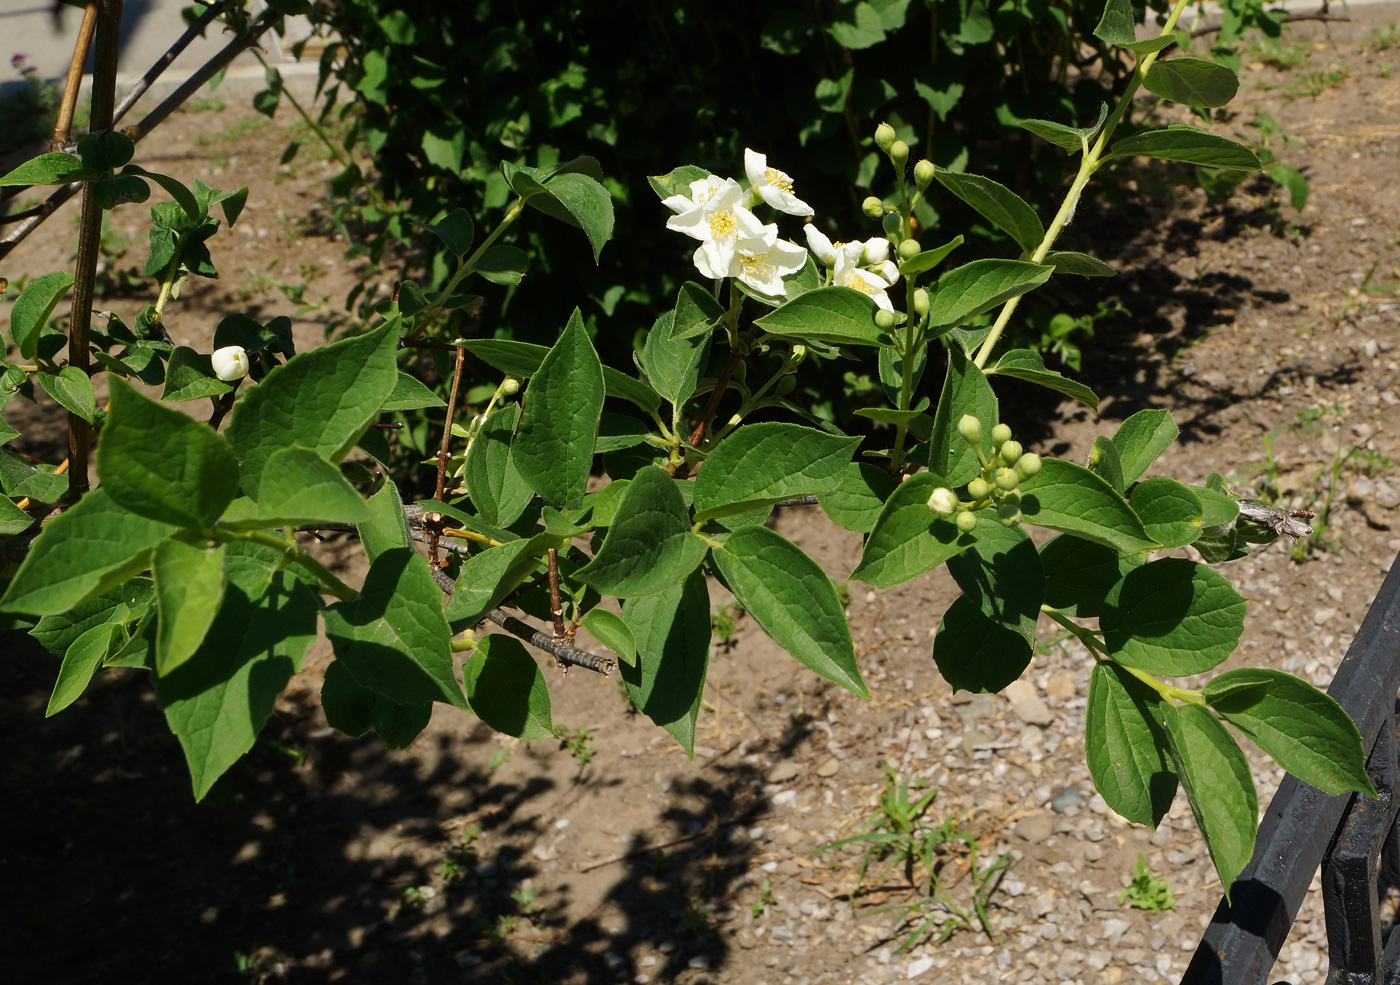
pixel 470 857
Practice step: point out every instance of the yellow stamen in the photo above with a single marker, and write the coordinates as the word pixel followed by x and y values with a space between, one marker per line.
pixel 722 223
pixel 778 180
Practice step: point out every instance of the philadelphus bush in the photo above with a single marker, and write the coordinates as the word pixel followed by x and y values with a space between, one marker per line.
pixel 186 560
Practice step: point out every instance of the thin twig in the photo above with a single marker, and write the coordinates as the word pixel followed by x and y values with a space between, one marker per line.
pixel 195 30
pixel 63 126
pixel 1320 15
pixel 564 652
pixel 426 344
pixel 555 609
pixel 435 526
pixel 224 405
pixel 717 394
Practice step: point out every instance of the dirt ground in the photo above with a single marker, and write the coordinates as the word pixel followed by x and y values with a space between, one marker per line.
pixel 1271 336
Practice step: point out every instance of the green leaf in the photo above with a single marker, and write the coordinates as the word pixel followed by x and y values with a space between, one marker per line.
pixel 523 359
pixel 979 286
pixel 1079 264
pixel 1065 497
pixel 1126 746
pixel 965 391
pixel 929 259
pixel 609 629
pixel 322 400
pixel 672 633
pixel 1305 731
pixel 162 464
pixel 355 710
pixel 835 315
pixel 1026 364
pixel 553 447
pixel 1118 27
pixel 386 528
pixel 455 230
pixel 580 201
pixel 13 520
pixel 80 662
pixel 506 265
pixel 696 312
pixel 72 390
pixel 19 478
pixel 976 653
pixel 488 577
pixel 506 689
pixel 998 204
pixel 409 394
pixel 649 546
pixel 189 585
pixel 1067 138
pixel 1289 177
pixel 56 168
pixel 1193 82
pixel 300 487
pixel 1170 512
pixel 673 364
pixel 1173 617
pixel 182 195
pixel 121 606
pixel 190 375
pixel 1105 463
pixel 792 598
pixel 908 538
pixel 1218 785
pixel 857 502
pixel 30 313
pixel 443 145
pixel 1079 573
pixel 862 30
pixel 1217 508
pixel 771 461
pixel 394 638
pixel 1188 145
pixel 1000 574
pixel 497 490
pixel 83 552
pixel 676 182
pixel 1140 439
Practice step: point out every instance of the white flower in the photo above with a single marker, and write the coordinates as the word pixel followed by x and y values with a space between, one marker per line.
pixel 772 185
pixel 764 270
pixel 943 501
pixel 230 363
pixel 822 248
pixel 877 250
pixel 849 274
pixel 715 215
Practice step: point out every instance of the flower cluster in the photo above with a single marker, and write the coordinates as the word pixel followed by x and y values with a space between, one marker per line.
pixel 1008 466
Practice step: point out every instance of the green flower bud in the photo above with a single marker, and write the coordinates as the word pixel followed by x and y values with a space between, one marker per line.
pixel 1011 452
pixel 921 302
pixel 1001 434
pixel 873 207
pixel 1009 516
pixel 970 428
pixel 509 386
pixel 923 174
pixel 1012 498
pixel 979 488
pixel 966 522
pixel 884 137
pixel 943 501
pixel 1029 465
pixel 785 386
pixel 909 249
pixel 885 319
pixel 1007 479
pixel 799 353
pixel 899 154
pixel 893 224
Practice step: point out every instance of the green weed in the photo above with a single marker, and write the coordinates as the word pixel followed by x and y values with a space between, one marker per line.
pixel 724 622
pixel 1384 40
pixel 765 900
pixel 1279 54
pixel 1147 891
pixel 575 741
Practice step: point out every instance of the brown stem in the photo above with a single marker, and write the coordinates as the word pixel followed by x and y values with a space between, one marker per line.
pixel 717 394
pixel 224 405
pixel 555 609
pixel 63 126
pixel 565 653
pixel 1320 15
pixel 435 527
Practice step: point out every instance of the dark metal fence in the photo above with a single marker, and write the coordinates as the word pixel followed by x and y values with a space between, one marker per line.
pixel 1352 837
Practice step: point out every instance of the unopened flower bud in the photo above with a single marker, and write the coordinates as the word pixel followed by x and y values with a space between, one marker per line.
pixel 1029 465
pixel 909 249
pixel 884 137
pixel 943 501
pixel 979 488
pixel 785 386
pixel 970 428
pixel 1011 452
pixel 1012 498
pixel 877 251
pixel 1009 516
pixel 893 224
pixel 873 207
pixel 921 302
pixel 967 522
pixel 1001 434
pixel 899 154
pixel 1007 479
pixel 799 353
pixel 885 319
pixel 923 174
pixel 509 386
pixel 230 363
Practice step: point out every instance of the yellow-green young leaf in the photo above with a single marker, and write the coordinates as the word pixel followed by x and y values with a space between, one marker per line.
pixel 30 312
pixel 322 400
pixel 1218 784
pixel 769 462
pixel 1126 746
pixel 836 315
pixel 553 447
pixel 1189 146
pixel 355 710
pixel 1026 364
pixel 497 490
pixel 792 598
pixel 386 527
pixel 1304 730
pixel 394 638
pixel 189 591
pixel 1065 497
pixel 975 653
pixel 965 391
pixel 1105 463
pixel 1140 439
pixel 72 390
pixel 980 286
pixel 1171 513
pixel 857 502
pixel 163 464
pixel 1172 617
pixel 908 537
pixel 1000 574
pixel 506 689
pixel 1079 573
pixel 92 547
pixel 409 394
pixel 609 629
pixel 1071 139
pixel 1192 82
pixel 217 701
pixel 80 662
pixel 299 487
pixel 998 204
pixel 649 547
pixel 672 634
